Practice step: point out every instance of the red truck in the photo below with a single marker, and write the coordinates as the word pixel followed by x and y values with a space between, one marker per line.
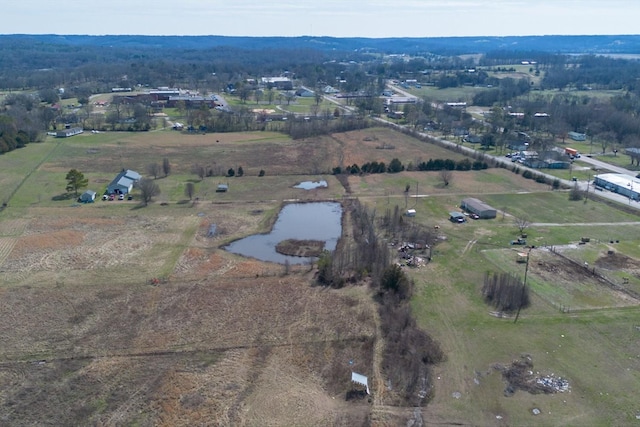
pixel 571 152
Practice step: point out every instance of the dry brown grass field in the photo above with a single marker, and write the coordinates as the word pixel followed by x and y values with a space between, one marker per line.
pixel 216 340
pixel 116 314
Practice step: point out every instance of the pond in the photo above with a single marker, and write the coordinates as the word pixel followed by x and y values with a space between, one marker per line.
pixel 300 221
pixel 310 185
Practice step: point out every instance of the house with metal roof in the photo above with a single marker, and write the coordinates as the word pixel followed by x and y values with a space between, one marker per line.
pixel 68 132
pixel 123 182
pixel 577 136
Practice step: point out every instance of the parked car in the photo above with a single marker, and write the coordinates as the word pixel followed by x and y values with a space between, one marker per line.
pixel 129 197
pixel 121 197
pixel 105 197
pixel 112 197
pixel 475 216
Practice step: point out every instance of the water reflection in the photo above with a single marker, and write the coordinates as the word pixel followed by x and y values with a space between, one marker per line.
pixel 302 221
pixel 310 185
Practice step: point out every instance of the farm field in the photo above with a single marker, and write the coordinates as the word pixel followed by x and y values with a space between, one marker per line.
pixel 118 314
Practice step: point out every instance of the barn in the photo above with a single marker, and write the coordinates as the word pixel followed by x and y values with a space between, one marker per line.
pixel 478 207
pixel 123 182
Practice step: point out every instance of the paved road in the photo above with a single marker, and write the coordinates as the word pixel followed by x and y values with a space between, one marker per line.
pixel 582 185
pixel 608 166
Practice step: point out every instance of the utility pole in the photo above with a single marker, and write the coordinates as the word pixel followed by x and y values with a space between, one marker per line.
pixel 524 285
pixel 586 196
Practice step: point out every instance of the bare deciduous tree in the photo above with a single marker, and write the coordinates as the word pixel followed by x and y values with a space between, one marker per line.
pixel 575 193
pixel 199 170
pixel 445 176
pixel 189 190
pixel 153 169
pixel 166 166
pixel 521 222
pixel 148 190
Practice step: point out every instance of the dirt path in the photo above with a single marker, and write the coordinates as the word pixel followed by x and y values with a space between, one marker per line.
pixel 469 245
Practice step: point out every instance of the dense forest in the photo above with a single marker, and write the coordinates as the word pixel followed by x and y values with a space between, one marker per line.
pixel 37 71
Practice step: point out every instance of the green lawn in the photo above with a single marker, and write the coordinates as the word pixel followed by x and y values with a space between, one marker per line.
pixel 595 350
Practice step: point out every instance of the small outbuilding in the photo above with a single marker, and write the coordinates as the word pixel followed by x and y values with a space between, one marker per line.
pixel 88 196
pixel 222 188
pixel 410 212
pixel 478 207
pixel 360 380
pixel 456 217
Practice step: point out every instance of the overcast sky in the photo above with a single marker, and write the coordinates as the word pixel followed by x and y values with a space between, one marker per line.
pixel 338 18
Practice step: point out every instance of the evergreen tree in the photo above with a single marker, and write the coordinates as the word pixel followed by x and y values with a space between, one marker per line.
pixel 76 181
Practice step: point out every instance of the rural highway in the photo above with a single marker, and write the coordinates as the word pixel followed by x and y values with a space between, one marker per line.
pixel 582 185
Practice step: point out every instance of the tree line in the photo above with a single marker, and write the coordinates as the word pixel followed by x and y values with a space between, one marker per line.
pixel 395 166
pixel 409 352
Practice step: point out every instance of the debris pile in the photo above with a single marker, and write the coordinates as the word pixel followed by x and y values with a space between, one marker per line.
pixel 553 383
pixel 520 376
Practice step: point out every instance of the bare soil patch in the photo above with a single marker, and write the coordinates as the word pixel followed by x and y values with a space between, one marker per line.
pixel 617 261
pixel 582 286
pixel 57 240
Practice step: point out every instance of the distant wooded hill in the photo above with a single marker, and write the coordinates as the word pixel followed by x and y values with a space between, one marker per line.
pixel 437 45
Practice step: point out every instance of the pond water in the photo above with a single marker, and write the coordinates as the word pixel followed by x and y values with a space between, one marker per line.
pixel 310 185
pixel 302 221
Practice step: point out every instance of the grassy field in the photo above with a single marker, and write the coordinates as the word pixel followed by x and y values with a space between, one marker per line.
pixel 118 314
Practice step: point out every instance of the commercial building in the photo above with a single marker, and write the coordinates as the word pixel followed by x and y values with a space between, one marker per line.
pixel 625 185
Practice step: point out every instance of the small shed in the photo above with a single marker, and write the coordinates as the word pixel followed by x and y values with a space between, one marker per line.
pixel 222 188
pixel 478 207
pixel 410 212
pixel 361 380
pixel 456 217
pixel 88 196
